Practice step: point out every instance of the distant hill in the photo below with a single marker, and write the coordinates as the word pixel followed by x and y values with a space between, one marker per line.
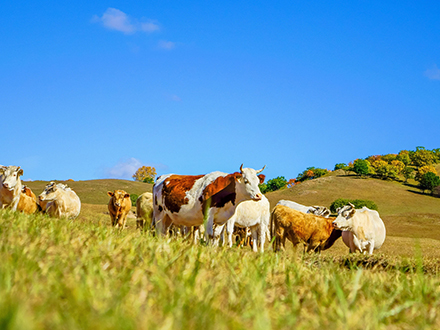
pixel 95 191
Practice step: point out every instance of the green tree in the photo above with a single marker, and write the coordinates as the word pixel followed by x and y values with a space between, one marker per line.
pixel 423 157
pixel 341 166
pixel 429 181
pixel 362 167
pixel 408 173
pixel 273 184
pixel 358 203
pixel 404 157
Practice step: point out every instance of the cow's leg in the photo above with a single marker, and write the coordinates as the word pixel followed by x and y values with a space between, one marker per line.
pixel 230 231
pixel 262 232
pixel 254 231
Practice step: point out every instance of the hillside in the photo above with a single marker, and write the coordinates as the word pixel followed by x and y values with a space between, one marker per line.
pixel 95 191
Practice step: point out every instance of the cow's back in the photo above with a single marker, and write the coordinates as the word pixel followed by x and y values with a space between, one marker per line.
pixel 248 213
pixel 144 206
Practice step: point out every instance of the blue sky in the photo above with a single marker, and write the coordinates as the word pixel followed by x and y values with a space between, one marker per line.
pixel 93 90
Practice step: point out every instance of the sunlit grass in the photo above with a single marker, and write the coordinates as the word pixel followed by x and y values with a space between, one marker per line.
pixel 73 274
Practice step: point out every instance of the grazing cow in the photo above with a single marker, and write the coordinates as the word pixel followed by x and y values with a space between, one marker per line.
pixel 119 206
pixel 10 186
pixel 254 215
pixel 28 201
pixel 316 210
pixel 313 231
pixel 144 209
pixel 62 201
pixel 363 229
pixel 192 200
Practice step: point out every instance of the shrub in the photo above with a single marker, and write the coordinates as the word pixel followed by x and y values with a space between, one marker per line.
pixel 362 167
pixel 408 173
pixel 341 166
pixel 423 170
pixel 311 173
pixel 133 198
pixel 273 184
pixel 423 157
pixel 429 181
pixel 358 203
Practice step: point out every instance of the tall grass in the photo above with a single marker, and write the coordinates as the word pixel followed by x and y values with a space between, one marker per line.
pixel 65 274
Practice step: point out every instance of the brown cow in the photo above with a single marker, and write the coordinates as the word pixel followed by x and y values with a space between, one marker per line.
pixel 119 206
pixel 314 232
pixel 28 201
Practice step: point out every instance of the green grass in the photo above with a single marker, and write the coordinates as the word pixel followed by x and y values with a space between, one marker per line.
pixel 86 275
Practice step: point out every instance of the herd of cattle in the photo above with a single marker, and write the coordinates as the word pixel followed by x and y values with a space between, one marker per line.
pixel 218 204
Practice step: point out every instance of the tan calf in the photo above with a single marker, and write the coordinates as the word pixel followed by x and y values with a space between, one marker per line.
pixel 144 210
pixel 28 201
pixel 314 232
pixel 119 206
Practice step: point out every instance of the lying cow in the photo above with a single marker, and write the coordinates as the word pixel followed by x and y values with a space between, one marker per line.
pixel 28 201
pixel 314 232
pixel 192 200
pixel 363 229
pixel 10 186
pixel 119 206
pixel 144 209
pixel 62 201
pixel 316 210
pixel 254 215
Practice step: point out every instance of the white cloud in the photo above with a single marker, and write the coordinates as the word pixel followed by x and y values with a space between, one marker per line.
pixel 123 170
pixel 433 73
pixel 115 19
pixel 168 45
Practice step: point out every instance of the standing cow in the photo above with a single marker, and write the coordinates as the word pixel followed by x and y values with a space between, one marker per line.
pixel 60 201
pixel 119 206
pixel 254 215
pixel 144 209
pixel 363 229
pixel 192 200
pixel 316 233
pixel 10 186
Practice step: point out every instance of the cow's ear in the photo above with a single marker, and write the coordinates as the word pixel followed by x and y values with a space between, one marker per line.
pixel 352 212
pixel 111 194
pixel 20 172
pixel 262 177
pixel 127 196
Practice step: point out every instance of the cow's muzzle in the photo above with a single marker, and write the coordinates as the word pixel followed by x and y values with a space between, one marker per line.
pixel 257 197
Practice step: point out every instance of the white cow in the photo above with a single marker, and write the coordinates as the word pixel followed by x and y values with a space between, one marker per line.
pixel 363 229
pixel 254 215
pixel 63 202
pixel 10 186
pixel 316 210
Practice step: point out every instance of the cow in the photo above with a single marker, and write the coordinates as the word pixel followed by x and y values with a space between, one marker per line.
pixel 144 209
pixel 254 215
pixel 363 229
pixel 28 201
pixel 192 200
pixel 119 206
pixel 316 233
pixel 316 210
pixel 10 186
pixel 62 201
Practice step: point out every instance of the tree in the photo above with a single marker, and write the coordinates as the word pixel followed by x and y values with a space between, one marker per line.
pixel 145 174
pixel 341 166
pixel 399 165
pixel 384 170
pixel 404 157
pixel 408 173
pixel 423 157
pixel 429 181
pixel 362 167
pixel 273 184
pixel 423 170
pixel 311 173
pixel 291 183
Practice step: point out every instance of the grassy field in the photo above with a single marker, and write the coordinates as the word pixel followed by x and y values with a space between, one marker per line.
pixel 83 274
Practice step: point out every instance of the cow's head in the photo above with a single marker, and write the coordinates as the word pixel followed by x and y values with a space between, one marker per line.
pixel 321 211
pixel 49 193
pixel 344 220
pixel 10 176
pixel 118 197
pixel 247 183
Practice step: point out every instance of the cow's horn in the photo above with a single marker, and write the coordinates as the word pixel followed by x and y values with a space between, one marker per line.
pixel 259 171
pixel 351 204
pixel 241 168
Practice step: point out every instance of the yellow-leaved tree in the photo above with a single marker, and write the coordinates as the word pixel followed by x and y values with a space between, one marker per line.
pixel 145 174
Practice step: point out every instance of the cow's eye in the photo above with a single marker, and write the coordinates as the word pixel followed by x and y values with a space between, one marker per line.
pixel 246 181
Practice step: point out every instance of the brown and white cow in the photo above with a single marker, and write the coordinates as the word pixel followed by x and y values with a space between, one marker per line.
pixel 10 186
pixel 316 233
pixel 119 206
pixel 192 200
pixel 28 201
pixel 62 201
